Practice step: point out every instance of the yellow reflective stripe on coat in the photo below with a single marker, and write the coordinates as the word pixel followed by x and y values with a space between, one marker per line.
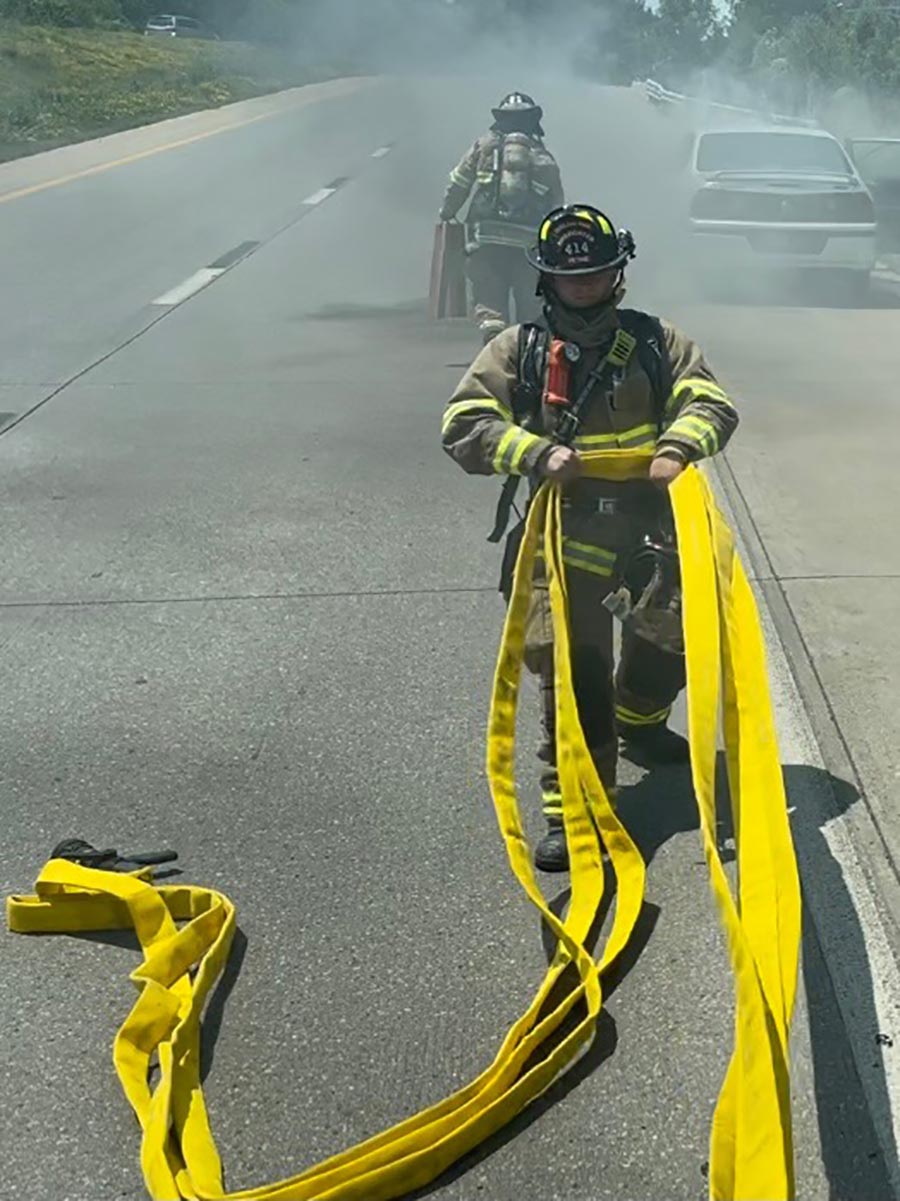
pixel 701 389
pixel 474 408
pixel 185 931
pixel 462 177
pixel 635 436
pixel 511 449
pixel 629 718
pixel 696 429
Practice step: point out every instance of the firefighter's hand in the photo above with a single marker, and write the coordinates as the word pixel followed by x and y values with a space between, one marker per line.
pixel 561 464
pixel 664 470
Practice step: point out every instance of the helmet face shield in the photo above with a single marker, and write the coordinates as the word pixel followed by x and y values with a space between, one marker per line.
pixel 580 240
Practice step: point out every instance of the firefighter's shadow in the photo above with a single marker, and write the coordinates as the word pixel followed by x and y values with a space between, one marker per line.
pixel 657 808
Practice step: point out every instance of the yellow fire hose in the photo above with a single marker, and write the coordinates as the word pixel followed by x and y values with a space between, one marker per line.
pixel 186 931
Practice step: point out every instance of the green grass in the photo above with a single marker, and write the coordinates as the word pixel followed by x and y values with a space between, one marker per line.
pixel 65 85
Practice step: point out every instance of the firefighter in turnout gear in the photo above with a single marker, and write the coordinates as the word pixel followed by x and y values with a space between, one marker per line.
pixel 598 376
pixel 512 180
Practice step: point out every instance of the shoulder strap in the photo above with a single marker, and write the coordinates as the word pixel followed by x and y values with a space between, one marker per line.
pixel 652 354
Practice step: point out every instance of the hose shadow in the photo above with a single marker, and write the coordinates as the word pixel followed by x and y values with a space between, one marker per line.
pixel 661 806
pixel 602 1047
pixel 605 1040
pixel 215 1010
pixel 214 1016
pixel 849 1118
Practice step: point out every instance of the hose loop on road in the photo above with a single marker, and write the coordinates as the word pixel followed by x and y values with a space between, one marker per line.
pixel 185 931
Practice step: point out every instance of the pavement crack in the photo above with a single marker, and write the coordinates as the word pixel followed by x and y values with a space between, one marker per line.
pixel 243 597
pixel 802 579
pixel 98 362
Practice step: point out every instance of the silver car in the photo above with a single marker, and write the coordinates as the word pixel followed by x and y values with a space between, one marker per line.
pixel 777 198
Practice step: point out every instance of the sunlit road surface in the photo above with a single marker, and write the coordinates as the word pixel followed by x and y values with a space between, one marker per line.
pixel 248 611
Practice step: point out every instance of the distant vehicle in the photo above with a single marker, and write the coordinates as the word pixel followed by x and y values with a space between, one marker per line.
pixel 780 197
pixel 179 27
pixel 877 161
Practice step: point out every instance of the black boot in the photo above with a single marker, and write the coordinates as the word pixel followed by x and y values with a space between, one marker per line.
pixel 654 745
pixel 551 853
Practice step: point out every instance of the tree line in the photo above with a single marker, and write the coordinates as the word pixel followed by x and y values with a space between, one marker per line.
pixel 792 50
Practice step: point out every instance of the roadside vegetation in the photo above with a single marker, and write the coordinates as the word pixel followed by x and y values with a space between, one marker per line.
pixel 72 69
pixel 63 84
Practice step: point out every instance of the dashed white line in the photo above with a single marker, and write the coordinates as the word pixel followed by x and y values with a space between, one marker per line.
pixel 382 151
pixel 318 197
pixel 188 287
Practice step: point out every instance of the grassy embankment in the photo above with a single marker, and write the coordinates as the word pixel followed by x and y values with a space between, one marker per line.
pixel 65 85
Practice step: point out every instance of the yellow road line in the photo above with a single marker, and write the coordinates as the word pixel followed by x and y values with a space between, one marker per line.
pixel 98 168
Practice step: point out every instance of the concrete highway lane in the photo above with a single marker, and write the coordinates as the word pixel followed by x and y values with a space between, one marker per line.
pixel 248 611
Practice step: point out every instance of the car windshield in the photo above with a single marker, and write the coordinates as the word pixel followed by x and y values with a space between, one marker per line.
pixel 761 151
pixel 878 162
pixel 161 22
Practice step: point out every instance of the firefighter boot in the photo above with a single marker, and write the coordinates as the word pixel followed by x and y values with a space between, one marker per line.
pixel 551 853
pixel 651 746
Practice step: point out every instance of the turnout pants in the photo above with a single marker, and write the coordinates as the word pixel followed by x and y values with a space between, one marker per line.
pixel 499 275
pixel 639 691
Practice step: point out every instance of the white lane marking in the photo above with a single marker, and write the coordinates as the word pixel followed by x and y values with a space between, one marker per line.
pixel 382 151
pixel 318 197
pixel 189 286
pixel 857 945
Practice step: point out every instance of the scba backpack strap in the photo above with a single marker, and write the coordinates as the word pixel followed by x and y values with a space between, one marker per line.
pixel 527 397
pixel 653 356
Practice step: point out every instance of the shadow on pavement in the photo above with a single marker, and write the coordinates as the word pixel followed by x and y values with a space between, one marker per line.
pixel 126 940
pixel 853 1159
pixel 602 1046
pixel 657 808
pixel 215 1010
pixel 660 806
pixel 362 312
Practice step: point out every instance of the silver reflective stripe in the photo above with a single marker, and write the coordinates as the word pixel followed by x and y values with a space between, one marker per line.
pixel 501 233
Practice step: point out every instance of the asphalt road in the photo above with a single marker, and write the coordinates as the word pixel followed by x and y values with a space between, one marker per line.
pixel 248 611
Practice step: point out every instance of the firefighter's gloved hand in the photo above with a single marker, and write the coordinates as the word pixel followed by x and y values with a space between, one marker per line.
pixel 560 464
pixel 665 469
